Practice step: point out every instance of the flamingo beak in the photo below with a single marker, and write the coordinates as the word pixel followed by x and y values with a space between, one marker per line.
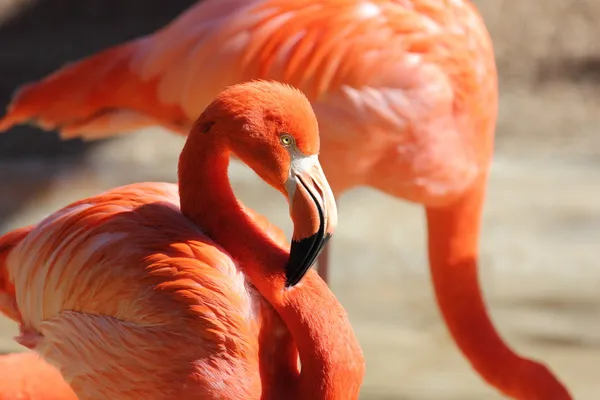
pixel 314 212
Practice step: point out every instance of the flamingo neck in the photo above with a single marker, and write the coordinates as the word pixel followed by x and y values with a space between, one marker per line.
pixel 331 358
pixel 453 235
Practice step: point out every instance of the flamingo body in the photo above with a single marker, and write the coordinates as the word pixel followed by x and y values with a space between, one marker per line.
pixel 100 269
pixel 404 91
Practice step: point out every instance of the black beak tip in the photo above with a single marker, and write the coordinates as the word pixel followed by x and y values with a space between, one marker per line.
pixel 303 255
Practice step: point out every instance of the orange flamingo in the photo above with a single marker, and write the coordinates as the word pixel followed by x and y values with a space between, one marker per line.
pixel 25 376
pixel 143 293
pixel 405 92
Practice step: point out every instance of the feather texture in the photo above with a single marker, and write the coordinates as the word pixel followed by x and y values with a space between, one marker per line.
pixel 404 90
pixel 112 283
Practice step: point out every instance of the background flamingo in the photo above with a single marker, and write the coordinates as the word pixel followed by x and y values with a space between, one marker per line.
pixel 155 287
pixel 405 93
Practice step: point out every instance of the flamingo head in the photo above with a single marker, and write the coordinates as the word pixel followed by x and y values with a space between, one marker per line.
pixel 272 128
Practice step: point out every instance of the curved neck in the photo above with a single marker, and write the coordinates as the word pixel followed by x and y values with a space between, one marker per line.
pixel 453 254
pixel 331 358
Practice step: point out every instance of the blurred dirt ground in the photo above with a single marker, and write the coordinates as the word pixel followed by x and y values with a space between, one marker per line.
pixel 542 223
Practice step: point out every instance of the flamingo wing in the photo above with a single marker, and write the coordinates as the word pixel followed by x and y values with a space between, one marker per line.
pixel 123 282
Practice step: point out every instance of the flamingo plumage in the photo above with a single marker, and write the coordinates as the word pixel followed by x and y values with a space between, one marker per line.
pixel 405 92
pixel 142 292
pixel 25 376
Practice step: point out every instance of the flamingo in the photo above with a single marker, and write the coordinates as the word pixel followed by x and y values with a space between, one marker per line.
pixel 142 292
pixel 25 376
pixel 405 92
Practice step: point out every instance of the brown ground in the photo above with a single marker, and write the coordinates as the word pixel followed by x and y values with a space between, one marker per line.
pixel 542 225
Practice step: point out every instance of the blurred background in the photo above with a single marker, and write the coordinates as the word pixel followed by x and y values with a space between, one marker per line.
pixel 540 269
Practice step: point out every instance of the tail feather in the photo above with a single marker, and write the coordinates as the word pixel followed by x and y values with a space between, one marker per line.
pixel 8 304
pixel 98 96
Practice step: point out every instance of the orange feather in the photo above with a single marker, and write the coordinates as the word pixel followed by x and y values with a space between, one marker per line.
pixel 25 376
pixel 100 269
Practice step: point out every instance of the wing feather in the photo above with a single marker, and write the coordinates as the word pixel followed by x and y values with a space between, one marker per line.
pixel 128 253
pixel 394 69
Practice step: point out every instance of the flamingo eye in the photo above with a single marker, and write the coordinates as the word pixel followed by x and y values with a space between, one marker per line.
pixel 286 140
